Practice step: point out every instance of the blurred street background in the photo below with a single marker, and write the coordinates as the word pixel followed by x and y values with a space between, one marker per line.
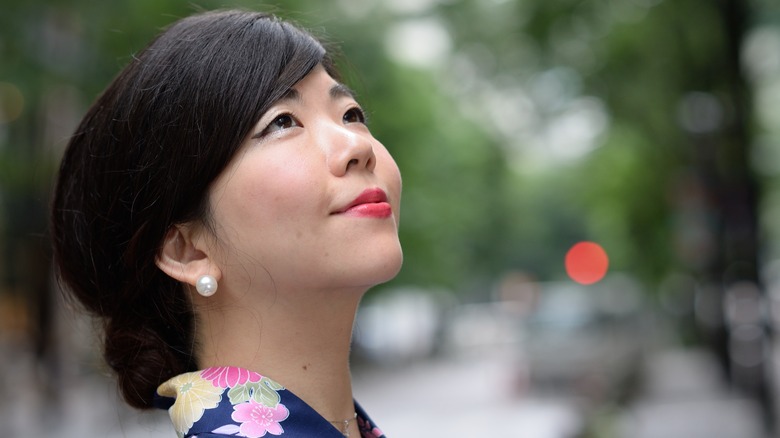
pixel 591 213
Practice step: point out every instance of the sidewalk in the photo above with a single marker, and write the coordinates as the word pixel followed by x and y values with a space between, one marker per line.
pixel 685 396
pixel 472 395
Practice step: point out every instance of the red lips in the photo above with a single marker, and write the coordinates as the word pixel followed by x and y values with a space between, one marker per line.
pixel 371 203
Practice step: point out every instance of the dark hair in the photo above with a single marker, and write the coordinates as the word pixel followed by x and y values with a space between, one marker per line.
pixel 142 160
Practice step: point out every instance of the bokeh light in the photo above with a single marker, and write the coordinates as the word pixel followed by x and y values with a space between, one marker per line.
pixel 586 262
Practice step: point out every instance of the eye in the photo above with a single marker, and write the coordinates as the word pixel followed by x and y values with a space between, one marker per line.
pixel 279 123
pixel 354 115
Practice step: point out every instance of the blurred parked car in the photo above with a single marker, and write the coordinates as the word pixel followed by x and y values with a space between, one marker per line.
pixel 400 325
pixel 586 341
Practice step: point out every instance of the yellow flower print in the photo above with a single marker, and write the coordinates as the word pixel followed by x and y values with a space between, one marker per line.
pixel 193 394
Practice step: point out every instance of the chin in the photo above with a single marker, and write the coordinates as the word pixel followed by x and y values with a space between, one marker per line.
pixel 379 267
pixel 392 267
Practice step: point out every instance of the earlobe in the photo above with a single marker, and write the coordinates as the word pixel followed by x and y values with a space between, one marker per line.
pixel 181 259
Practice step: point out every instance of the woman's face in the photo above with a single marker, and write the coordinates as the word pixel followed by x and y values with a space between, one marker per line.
pixel 311 201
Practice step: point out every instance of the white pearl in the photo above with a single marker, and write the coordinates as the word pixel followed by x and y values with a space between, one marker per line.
pixel 206 285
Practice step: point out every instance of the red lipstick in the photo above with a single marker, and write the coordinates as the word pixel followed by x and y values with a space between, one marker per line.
pixel 371 203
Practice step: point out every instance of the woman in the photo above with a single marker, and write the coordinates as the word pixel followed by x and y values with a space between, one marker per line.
pixel 222 208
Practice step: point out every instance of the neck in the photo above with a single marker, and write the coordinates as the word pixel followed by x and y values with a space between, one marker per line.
pixel 301 340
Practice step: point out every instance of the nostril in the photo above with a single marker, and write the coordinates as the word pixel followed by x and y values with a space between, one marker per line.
pixel 353 162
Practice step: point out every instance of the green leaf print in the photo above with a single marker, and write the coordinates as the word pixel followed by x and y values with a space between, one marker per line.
pixel 266 392
pixel 272 384
pixel 242 393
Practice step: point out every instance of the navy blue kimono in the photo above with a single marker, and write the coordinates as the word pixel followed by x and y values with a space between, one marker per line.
pixel 235 402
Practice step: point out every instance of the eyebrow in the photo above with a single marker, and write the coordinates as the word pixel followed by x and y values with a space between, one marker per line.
pixel 340 90
pixel 291 94
pixel 337 91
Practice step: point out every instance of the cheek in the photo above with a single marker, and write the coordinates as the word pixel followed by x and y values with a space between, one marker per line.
pixel 256 196
pixel 390 172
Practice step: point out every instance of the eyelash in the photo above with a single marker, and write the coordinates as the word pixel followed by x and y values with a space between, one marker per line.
pixel 362 117
pixel 290 118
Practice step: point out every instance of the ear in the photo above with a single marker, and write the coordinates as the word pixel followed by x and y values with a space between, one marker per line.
pixel 184 257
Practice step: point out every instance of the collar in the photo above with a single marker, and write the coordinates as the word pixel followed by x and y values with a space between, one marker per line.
pixel 232 401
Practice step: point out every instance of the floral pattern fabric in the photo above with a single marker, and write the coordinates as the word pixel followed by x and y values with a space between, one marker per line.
pixel 235 402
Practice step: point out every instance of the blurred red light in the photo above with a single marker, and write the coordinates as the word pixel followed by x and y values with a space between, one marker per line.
pixel 586 262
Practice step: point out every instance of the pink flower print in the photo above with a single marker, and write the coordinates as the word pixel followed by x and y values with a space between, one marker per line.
pixel 224 377
pixel 367 430
pixel 256 418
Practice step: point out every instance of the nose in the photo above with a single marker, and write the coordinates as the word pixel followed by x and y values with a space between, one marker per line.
pixel 349 150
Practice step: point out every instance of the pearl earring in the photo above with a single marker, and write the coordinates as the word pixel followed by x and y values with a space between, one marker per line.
pixel 206 285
